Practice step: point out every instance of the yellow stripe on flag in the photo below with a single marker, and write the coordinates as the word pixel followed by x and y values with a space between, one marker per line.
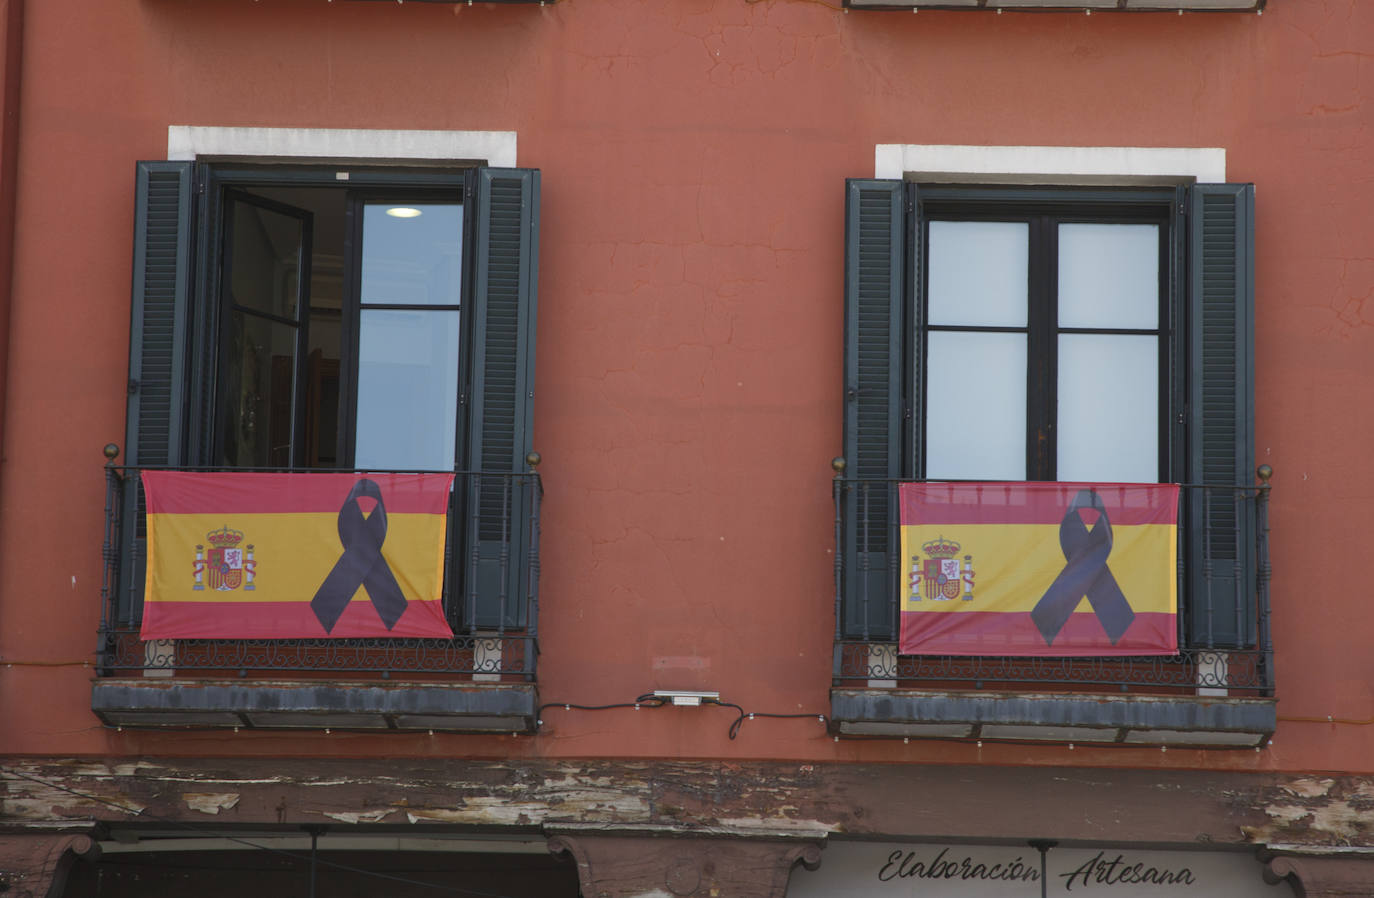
pixel 1014 564
pixel 292 554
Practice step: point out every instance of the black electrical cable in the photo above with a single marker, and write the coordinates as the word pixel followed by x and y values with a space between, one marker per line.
pixel 650 700
pixel 739 721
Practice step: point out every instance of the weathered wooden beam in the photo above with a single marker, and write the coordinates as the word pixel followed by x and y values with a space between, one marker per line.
pixel 761 800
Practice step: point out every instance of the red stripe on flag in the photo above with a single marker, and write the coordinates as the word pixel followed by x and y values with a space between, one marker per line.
pixel 1033 502
pixel 1003 633
pixel 269 620
pixel 186 492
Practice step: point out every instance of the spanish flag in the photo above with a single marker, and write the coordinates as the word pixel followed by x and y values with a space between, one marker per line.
pixel 1041 569
pixel 267 556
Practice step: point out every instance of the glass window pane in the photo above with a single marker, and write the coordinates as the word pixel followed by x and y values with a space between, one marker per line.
pixel 265 259
pixel 412 253
pixel 1108 408
pixel 407 389
pixel 1109 275
pixel 975 425
pixel 978 273
pixel 257 414
pixel 321 389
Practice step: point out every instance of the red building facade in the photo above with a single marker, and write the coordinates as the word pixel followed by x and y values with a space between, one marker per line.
pixel 679 292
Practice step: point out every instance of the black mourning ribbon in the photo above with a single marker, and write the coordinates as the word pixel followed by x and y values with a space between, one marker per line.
pixel 361 563
pixel 1085 573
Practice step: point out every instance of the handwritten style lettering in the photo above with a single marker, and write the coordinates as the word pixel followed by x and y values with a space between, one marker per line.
pixel 905 865
pixel 1118 872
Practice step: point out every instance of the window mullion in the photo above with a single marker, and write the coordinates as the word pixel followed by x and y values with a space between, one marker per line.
pixel 1042 356
pixel 349 330
pixel 203 438
pixel 1173 348
pixel 304 277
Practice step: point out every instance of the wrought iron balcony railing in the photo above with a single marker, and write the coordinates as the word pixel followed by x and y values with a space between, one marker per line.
pixel 491 598
pixel 1223 619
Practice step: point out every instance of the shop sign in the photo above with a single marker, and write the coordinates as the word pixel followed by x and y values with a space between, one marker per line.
pixel 891 870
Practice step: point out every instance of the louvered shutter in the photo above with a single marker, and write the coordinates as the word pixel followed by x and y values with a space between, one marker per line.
pixel 876 230
pixel 501 396
pixel 157 349
pixel 1220 541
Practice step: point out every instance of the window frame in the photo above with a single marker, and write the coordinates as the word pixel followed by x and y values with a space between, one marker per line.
pixel 1213 254
pixel 228 308
pixel 1043 208
pixel 210 311
pixel 168 416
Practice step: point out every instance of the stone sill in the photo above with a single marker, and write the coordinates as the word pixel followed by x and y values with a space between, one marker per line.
pixel 316 705
pixel 1184 721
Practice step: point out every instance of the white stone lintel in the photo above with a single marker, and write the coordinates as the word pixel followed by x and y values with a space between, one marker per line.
pixel 1050 165
pixel 187 142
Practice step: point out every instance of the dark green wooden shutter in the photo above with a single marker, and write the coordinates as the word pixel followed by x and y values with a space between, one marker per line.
pixel 876 251
pixel 1220 541
pixel 157 348
pixel 500 417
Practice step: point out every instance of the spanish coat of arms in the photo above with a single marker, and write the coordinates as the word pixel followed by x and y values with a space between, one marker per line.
pixel 225 565
pixel 941 577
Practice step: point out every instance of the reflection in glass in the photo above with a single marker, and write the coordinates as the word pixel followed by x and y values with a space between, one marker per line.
pixel 264 254
pixel 412 261
pixel 977 273
pixel 976 406
pixel 1109 275
pixel 407 389
pixel 265 259
pixel 408 358
pixel 257 415
pixel 1108 408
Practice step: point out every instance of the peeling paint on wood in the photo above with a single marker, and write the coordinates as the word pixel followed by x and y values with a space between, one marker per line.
pixel 358 816
pixel 211 802
pixel 1317 812
pixel 757 800
pixel 1309 788
pixel 775 826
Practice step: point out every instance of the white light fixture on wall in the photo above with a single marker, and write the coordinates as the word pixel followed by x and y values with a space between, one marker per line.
pixel 683 698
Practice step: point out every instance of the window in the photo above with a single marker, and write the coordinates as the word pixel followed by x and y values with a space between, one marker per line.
pixel 1046 328
pixel 340 311
pixel 1007 333
pixel 342 316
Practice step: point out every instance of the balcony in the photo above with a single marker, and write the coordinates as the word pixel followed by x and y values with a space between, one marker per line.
pixel 481 680
pixel 1217 691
